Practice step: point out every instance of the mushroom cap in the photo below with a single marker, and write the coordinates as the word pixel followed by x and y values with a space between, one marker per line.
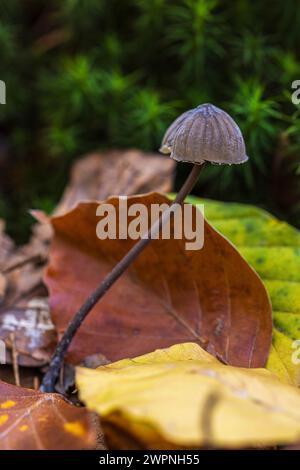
pixel 205 133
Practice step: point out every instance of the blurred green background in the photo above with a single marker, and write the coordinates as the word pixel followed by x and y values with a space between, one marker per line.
pixel 88 74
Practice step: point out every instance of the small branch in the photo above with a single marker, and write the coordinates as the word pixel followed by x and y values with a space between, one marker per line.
pixel 23 262
pixel 15 360
pixel 36 382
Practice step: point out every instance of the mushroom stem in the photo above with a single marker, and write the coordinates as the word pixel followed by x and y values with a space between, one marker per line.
pixel 51 376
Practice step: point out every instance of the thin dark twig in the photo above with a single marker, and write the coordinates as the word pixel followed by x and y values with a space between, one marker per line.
pixel 52 373
pixel 15 363
pixel 20 264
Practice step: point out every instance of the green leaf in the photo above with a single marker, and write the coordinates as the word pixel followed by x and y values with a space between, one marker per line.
pixel 272 248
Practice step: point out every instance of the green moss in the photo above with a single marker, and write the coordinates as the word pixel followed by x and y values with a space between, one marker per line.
pixel 121 71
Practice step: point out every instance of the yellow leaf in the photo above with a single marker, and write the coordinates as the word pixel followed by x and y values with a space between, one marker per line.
pixel 272 248
pixel 184 397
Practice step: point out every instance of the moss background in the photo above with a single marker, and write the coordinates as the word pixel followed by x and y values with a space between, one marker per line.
pixel 87 74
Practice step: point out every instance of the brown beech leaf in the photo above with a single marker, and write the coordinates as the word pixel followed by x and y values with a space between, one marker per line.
pixel 42 421
pixel 98 175
pixel 169 295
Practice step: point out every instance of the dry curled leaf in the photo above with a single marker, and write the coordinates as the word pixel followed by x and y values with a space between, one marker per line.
pixel 24 311
pixel 99 175
pixel 96 175
pixel 42 421
pixel 184 397
pixel 168 295
pixel 32 329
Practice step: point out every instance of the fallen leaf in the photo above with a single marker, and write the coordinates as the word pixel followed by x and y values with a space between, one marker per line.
pixel 99 175
pixel 168 295
pixel 272 248
pixel 33 331
pixel 23 273
pixel 183 397
pixel 93 176
pixel 42 421
pixel 24 310
pixel 6 245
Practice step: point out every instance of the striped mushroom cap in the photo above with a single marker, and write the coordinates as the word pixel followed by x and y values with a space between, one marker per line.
pixel 205 133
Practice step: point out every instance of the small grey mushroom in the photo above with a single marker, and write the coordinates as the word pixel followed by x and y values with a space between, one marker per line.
pixel 205 133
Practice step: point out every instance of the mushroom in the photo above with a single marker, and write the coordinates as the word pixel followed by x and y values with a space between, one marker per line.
pixel 206 133
pixel 203 134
